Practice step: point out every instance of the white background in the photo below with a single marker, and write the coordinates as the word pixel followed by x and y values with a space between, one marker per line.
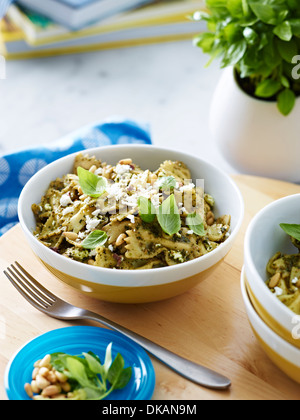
pixel 164 85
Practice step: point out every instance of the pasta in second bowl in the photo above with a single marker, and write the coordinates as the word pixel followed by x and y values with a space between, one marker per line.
pixel 99 221
pixel 268 248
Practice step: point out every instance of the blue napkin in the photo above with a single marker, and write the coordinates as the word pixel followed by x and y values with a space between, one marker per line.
pixel 17 168
pixel 4 5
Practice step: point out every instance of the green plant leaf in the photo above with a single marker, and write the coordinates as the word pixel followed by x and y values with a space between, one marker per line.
pixel 292 230
pixel 284 31
pixel 271 12
pixel 286 101
pixel 287 50
pixel 91 184
pixel 95 239
pixel 205 41
pixel 235 8
pixel 147 210
pixel 295 25
pixel 250 35
pixel 234 53
pixel 265 12
pixel 168 216
pixel 195 223
pixel 268 88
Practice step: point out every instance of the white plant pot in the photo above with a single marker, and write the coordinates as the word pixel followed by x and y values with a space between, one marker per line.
pixel 252 135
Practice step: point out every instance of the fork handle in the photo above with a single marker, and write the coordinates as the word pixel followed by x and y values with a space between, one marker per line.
pixel 190 370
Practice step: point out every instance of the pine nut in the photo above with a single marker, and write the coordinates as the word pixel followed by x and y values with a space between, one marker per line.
pixel 51 377
pixel 274 280
pixel 59 397
pixel 37 363
pixel 91 262
pixel 153 178
pixel 226 220
pixel 61 377
pixel 28 390
pixel 120 239
pixel 34 387
pixel 45 362
pixel 210 221
pixel 93 168
pixel 51 390
pixel 42 382
pixel 35 372
pixel 72 236
pixel 66 387
pixel 43 371
pixel 125 162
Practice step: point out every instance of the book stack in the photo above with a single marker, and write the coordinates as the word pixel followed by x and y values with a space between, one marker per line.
pixel 54 27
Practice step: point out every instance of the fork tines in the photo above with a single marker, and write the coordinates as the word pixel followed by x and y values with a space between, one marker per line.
pixel 29 288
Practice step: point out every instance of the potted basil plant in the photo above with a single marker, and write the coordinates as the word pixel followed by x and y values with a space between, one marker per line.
pixel 255 112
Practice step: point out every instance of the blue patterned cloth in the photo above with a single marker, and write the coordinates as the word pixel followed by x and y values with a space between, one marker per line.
pixel 17 168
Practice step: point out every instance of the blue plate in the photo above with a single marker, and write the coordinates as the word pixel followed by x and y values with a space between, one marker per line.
pixel 75 340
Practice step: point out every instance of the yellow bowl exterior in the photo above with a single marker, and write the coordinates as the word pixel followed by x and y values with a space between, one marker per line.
pixel 284 365
pixel 143 294
pixel 269 320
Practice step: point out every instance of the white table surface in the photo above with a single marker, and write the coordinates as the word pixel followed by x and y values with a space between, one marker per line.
pixel 164 85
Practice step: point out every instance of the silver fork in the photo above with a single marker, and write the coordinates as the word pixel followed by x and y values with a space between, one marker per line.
pixel 48 303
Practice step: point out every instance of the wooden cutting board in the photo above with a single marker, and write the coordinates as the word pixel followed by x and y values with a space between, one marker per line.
pixel 208 324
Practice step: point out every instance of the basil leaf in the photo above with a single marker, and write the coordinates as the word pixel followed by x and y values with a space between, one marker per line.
pixel 284 31
pixel 95 239
pixel 91 184
pixel 168 216
pixel 166 183
pixel 286 101
pixel 117 376
pixel 195 223
pixel 287 50
pixel 93 363
pixel 123 378
pixel 147 210
pixel 77 371
pixel 292 230
pixel 268 88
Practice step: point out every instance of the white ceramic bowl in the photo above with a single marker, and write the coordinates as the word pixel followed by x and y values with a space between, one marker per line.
pixel 283 354
pixel 263 239
pixel 138 286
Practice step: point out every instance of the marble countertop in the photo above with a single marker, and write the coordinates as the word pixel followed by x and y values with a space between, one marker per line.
pixel 164 85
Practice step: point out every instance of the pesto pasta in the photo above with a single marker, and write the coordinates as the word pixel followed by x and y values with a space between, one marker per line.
pixel 284 278
pixel 124 217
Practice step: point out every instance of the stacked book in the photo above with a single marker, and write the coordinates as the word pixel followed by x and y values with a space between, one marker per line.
pixel 53 27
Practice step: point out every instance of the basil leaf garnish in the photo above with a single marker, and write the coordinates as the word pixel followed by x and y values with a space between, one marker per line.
pixel 147 210
pixel 292 230
pixel 168 216
pixel 91 379
pixel 195 223
pixel 91 184
pixel 95 239
pixel 166 183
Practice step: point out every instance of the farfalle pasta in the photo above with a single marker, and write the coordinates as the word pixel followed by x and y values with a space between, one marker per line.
pixel 125 217
pixel 284 279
